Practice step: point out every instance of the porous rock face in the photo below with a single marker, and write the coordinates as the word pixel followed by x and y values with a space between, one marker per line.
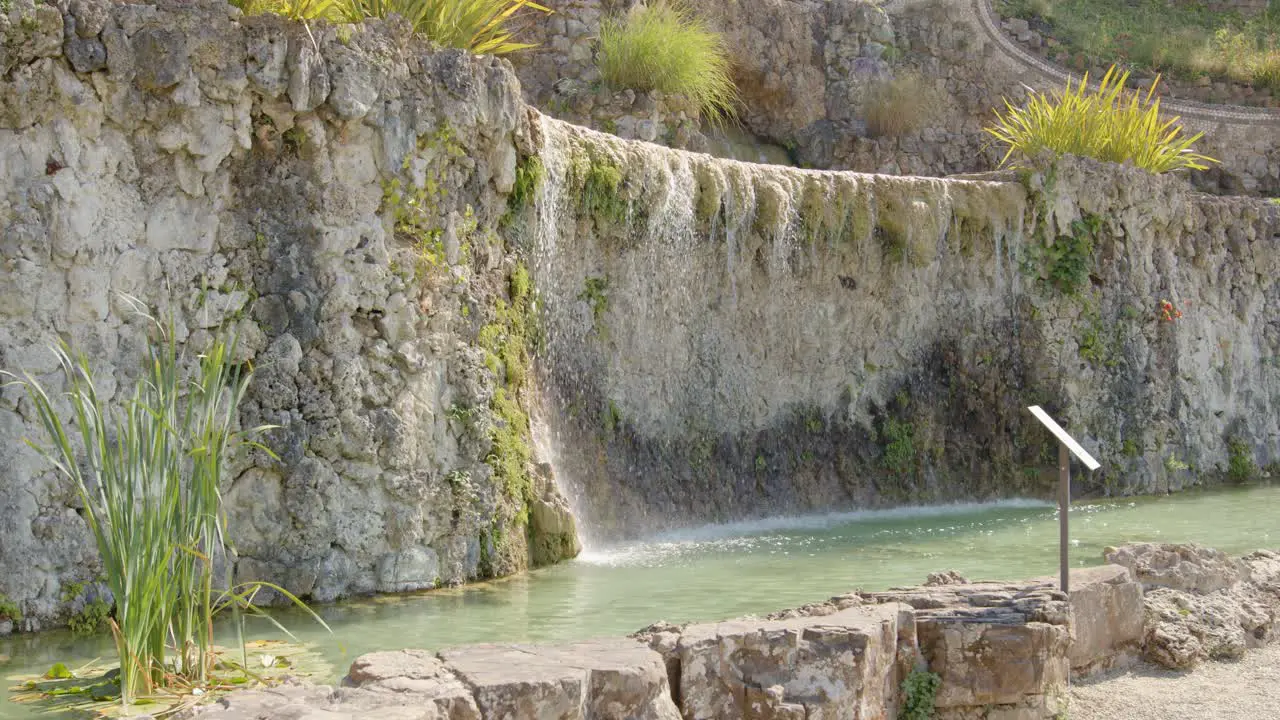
pixel 1200 603
pixel 729 340
pixel 1107 619
pixel 237 172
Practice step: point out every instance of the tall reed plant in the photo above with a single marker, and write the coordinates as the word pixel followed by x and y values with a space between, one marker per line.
pixel 1107 123
pixel 148 470
pixel 663 45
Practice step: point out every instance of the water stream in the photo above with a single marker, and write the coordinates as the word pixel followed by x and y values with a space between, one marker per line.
pixel 729 570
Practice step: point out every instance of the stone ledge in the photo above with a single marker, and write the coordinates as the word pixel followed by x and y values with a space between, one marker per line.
pixel 1002 650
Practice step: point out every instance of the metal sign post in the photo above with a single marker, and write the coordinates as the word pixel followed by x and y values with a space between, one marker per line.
pixel 1065 443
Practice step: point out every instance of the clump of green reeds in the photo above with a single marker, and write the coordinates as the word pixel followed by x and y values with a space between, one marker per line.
pixel 148 468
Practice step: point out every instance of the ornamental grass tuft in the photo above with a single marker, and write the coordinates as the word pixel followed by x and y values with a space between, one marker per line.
pixel 1107 123
pixel 479 26
pixel 665 46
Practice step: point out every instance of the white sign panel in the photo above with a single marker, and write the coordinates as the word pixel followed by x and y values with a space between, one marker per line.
pixel 1064 438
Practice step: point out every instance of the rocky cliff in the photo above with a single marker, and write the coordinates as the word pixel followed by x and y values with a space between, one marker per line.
pixel 332 197
pixel 422 271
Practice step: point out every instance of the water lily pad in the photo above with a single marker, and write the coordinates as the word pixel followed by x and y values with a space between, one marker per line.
pixel 93 691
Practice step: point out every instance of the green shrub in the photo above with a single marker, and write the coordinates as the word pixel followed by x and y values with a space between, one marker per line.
pixel 9 610
pixel 149 479
pixel 1240 464
pixel 664 46
pixel 899 448
pixel 1107 123
pixel 92 616
pixel 919 691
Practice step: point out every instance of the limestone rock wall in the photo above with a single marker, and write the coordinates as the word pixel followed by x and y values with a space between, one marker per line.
pixel 728 340
pixel 242 173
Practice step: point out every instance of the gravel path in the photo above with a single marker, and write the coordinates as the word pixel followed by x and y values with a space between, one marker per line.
pixel 1244 690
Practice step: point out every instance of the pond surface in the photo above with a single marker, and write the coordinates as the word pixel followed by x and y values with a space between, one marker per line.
pixel 729 570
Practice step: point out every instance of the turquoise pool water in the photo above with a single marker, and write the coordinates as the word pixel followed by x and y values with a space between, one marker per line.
pixel 723 571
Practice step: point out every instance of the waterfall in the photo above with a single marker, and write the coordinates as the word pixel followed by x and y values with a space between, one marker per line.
pixel 693 308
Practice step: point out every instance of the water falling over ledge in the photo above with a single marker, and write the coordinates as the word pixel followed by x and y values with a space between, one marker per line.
pixel 728 341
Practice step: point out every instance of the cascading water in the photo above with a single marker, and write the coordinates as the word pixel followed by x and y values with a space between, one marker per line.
pixel 725 340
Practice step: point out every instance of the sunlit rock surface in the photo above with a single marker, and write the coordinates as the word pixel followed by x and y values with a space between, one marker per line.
pixel 713 340
pixel 1202 604
pixel 234 172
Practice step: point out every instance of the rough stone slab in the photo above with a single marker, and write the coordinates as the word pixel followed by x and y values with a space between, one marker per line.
pixel 841 665
pixel 318 702
pixel 1000 648
pixel 1106 619
pixel 415 673
pixel 607 679
pixel 996 664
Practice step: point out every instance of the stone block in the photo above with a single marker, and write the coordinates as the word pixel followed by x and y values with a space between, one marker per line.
pixel 415 673
pixel 985 664
pixel 608 679
pixel 842 665
pixel 1106 619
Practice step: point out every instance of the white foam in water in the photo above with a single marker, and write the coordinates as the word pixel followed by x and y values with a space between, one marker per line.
pixel 727 536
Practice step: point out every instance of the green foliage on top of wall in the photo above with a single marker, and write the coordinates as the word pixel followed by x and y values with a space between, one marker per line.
pixel 479 26
pixel 1107 123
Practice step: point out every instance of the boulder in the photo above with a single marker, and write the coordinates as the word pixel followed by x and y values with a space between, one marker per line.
pixel 1186 567
pixel 946 577
pixel 1201 604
